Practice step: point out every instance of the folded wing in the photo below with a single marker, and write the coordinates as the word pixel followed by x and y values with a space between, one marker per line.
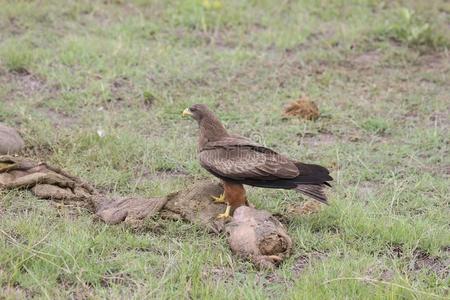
pixel 238 159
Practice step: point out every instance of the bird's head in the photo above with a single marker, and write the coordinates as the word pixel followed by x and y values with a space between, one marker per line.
pixel 197 112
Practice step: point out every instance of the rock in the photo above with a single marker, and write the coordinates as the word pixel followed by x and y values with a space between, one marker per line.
pixel 195 205
pixel 258 236
pixel 10 140
pixel 53 192
pixel 129 210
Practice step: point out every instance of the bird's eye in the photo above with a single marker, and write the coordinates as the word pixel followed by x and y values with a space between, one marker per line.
pixel 192 109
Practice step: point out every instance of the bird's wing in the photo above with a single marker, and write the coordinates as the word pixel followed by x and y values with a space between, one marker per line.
pixel 238 158
pixel 233 141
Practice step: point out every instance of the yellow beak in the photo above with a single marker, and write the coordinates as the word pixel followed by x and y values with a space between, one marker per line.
pixel 186 112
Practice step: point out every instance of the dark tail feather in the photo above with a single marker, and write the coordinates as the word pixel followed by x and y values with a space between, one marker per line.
pixel 314 191
pixel 311 181
pixel 312 174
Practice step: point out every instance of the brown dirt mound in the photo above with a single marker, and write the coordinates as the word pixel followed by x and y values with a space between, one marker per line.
pixel 303 108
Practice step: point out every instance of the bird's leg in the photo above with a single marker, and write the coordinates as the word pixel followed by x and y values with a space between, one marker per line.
pixel 220 199
pixel 226 214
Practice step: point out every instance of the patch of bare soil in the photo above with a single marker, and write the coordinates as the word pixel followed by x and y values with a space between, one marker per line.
pixel 125 94
pixel 306 260
pixel 145 174
pixel 15 238
pixel 266 280
pixel 395 251
pixel 422 261
pixel 121 88
pixel 228 275
pixel 315 39
pixel 14 27
pixel 440 119
pixel 366 60
pixel 82 292
pixel 57 118
pixel 112 278
pixel 367 188
pixel 285 70
pixel 217 38
pixel 383 273
pixel 317 140
pixel 437 119
pixel 222 37
pixel 223 274
pixel 25 84
pixel 41 152
pixel 171 173
pixel 306 208
pixel 76 291
pixel 433 61
pixel 15 292
pixel 436 170
pixel 68 211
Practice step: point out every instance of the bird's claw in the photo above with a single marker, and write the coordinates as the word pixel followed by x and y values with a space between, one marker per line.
pixel 223 216
pixel 220 199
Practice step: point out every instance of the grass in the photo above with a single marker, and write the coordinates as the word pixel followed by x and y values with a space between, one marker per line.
pixel 378 70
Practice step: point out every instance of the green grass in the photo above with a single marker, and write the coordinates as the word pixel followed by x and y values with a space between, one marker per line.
pixel 378 70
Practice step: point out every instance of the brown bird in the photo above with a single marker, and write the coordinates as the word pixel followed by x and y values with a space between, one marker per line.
pixel 237 161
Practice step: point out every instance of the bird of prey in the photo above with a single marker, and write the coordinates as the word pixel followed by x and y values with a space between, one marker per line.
pixel 237 160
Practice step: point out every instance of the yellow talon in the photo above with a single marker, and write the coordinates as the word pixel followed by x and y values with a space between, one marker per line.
pixel 220 199
pixel 226 214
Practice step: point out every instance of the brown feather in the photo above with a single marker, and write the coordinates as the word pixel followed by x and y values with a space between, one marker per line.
pixel 238 160
pixel 315 191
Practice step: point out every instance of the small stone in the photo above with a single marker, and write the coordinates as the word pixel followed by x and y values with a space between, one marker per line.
pixel 10 140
